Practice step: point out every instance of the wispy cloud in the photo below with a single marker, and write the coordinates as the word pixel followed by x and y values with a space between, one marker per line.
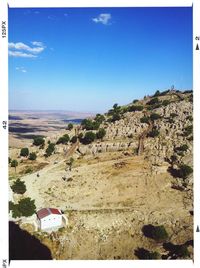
pixel 36 43
pixel 51 17
pixel 21 69
pixel 22 50
pixel 103 18
pixel 20 54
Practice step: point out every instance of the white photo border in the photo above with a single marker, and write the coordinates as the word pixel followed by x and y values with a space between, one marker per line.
pixel 4 4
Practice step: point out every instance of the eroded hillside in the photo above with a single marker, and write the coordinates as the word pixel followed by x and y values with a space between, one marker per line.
pixel 114 175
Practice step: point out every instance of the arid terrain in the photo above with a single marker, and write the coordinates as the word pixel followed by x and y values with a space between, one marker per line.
pixel 133 176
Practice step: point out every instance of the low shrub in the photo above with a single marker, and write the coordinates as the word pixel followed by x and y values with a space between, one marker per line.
pixel 158 233
pixel 154 133
pixel 32 156
pixel 24 152
pixel 63 140
pixel 88 138
pixel 144 119
pixel 134 108
pixel 155 116
pixel 185 171
pixel 50 149
pixel 37 141
pixel 74 139
pixel 153 101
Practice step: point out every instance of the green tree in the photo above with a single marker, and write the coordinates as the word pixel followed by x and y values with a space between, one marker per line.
pixel 19 187
pixel 70 126
pixel 90 125
pixel 185 171
pixel 99 118
pixel 101 133
pixel 64 139
pixel 74 139
pixel 24 152
pixel 80 136
pixel 32 156
pixel 27 207
pixel 89 137
pixel 50 149
pixel 157 93
pixel 38 141
pixel 15 211
pixel 14 163
pixel 115 117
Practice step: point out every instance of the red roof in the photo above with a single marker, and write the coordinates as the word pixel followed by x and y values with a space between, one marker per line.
pixel 47 211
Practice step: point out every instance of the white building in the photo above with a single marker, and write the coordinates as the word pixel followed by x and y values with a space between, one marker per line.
pixel 50 218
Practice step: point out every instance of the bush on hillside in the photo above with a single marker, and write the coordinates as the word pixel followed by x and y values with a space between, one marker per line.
pixel 50 149
pixel 26 207
pixel 158 233
pixel 101 133
pixel 32 156
pixel 63 140
pixel 144 119
pixel 88 138
pixel 70 126
pixel 134 108
pixel 155 116
pixel 157 93
pixel 154 133
pixel 74 139
pixel 14 163
pixel 90 125
pixel 144 254
pixel 165 102
pixel 99 118
pixel 24 152
pixel 185 171
pixel 182 148
pixel 38 141
pixel 19 187
pixel 153 101
pixel 188 130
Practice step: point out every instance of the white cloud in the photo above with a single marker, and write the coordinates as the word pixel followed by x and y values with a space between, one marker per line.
pixel 21 54
pixel 21 69
pixel 103 18
pixel 36 43
pixel 17 49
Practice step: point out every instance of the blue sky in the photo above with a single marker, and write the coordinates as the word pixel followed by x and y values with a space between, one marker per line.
pixel 87 59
